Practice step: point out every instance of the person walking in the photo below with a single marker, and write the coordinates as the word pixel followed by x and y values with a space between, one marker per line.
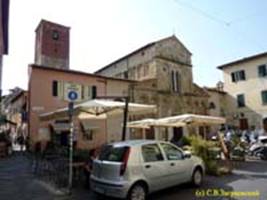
pixel 88 167
pixel 21 141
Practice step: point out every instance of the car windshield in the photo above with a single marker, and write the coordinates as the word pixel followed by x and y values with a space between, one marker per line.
pixel 112 153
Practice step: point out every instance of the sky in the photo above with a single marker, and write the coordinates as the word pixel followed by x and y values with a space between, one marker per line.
pixel 216 32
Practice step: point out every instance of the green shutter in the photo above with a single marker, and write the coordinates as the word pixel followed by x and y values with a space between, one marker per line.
pixel 241 101
pixel 262 71
pixel 264 97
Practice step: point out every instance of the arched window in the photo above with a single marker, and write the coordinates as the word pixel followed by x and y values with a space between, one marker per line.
pixel 176 81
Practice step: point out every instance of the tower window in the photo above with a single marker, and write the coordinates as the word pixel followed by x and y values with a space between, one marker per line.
pixel 55 35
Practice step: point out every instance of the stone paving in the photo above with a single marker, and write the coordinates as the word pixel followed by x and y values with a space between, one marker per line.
pixel 17 182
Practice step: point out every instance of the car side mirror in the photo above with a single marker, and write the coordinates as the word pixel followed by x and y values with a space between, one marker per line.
pixel 187 154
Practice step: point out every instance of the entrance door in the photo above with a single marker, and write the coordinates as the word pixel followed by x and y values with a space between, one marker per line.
pixel 243 124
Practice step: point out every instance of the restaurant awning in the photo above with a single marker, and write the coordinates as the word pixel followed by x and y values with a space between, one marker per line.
pixel 145 123
pixel 178 121
pixel 98 107
pixel 191 119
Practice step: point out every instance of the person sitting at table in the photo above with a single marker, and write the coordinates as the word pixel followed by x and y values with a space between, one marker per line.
pixel 88 167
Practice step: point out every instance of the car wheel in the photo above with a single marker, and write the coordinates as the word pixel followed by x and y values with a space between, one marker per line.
pixel 197 177
pixel 137 192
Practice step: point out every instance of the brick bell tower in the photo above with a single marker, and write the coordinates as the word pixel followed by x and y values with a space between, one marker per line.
pixel 52 45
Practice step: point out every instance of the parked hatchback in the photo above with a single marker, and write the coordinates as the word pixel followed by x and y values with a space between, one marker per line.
pixel 133 169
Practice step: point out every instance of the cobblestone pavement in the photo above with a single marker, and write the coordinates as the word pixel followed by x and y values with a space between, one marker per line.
pixel 18 183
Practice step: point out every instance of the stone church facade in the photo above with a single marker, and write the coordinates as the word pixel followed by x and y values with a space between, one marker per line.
pixel 163 74
pixel 163 71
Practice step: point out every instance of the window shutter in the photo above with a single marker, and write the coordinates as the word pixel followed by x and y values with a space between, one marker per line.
pixel 60 89
pixel 54 88
pixel 264 97
pixel 243 75
pixel 241 100
pixel 94 92
pixel 233 77
pixel 262 71
pixel 89 92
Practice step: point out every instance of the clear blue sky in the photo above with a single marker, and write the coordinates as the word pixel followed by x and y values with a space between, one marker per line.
pixel 216 32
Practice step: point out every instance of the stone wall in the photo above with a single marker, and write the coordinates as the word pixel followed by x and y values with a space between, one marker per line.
pixel 132 62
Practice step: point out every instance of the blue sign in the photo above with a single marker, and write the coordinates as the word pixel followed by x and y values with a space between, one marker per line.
pixel 72 95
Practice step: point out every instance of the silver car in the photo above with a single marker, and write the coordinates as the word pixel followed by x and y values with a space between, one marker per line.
pixel 133 169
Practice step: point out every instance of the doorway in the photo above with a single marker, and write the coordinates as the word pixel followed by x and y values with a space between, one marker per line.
pixel 243 124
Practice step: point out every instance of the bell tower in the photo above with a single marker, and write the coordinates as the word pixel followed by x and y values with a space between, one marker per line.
pixel 52 45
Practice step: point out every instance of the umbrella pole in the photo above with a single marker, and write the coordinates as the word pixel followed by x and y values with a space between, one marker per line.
pixel 125 116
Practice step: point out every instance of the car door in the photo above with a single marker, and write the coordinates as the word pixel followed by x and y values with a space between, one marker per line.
pixel 179 168
pixel 154 166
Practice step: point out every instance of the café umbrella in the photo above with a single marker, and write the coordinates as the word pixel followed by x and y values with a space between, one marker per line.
pixel 190 119
pixel 97 107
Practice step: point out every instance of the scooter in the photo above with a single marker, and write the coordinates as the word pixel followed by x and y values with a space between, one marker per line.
pixel 263 153
pixel 259 148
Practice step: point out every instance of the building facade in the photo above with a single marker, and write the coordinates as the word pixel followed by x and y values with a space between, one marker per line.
pixel 50 81
pixel 14 108
pixel 245 81
pixel 163 71
pixel 47 93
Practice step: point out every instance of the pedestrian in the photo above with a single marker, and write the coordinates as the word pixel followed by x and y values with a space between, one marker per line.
pixel 27 144
pixel 246 134
pixel 88 167
pixel 228 136
pixel 21 141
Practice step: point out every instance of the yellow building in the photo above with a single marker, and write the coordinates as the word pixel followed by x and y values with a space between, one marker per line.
pixel 245 81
